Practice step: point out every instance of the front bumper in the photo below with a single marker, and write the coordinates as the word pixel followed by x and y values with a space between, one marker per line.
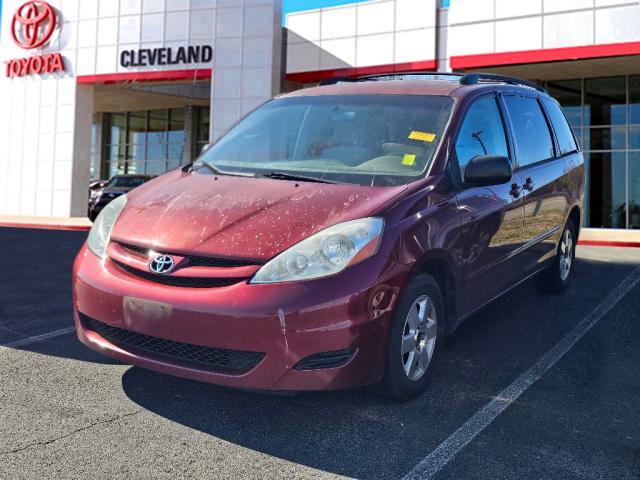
pixel 285 322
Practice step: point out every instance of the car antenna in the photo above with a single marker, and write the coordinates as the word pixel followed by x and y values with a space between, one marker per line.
pixel 187 121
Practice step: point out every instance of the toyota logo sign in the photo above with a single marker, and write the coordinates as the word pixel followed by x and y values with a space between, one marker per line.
pixel 33 24
pixel 162 264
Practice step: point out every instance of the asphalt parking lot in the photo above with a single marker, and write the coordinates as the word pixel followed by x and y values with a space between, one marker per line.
pixel 66 412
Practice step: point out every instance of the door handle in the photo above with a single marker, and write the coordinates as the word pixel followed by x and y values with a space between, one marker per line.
pixel 515 190
pixel 528 184
pixel 570 166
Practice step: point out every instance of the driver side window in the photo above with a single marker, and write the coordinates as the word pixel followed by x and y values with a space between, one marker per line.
pixel 482 132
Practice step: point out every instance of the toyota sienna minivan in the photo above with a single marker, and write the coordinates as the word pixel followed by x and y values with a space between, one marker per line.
pixel 334 236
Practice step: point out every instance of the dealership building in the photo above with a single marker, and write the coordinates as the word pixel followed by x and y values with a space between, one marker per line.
pixel 94 88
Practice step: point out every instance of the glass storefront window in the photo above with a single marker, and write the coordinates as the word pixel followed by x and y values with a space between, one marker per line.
pixel 605 101
pixel 155 167
pixel 606 175
pixel 136 158
pixel 96 137
pixel 203 121
pixel 150 141
pixel 607 138
pixel 157 129
pixel 118 129
pixel 156 151
pixel 137 127
pixel 115 155
pixel 634 137
pixel 634 190
pixel 581 137
pixel 569 94
pixel 634 100
pixel 605 116
pixel 176 125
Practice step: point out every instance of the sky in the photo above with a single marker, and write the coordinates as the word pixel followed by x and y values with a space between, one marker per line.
pixel 299 5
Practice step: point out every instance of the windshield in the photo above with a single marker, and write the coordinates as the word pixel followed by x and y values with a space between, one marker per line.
pixel 126 182
pixel 362 139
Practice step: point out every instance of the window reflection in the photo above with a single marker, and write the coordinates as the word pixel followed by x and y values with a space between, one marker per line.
pixel 605 116
pixel 634 190
pixel 634 137
pixel 634 99
pixel 569 94
pixel 605 101
pixel 606 175
pixel 607 138
pixel 150 141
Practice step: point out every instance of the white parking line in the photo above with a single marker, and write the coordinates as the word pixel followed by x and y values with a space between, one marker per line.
pixel 37 338
pixel 446 451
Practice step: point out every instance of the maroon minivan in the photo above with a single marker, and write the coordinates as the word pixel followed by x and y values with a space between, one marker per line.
pixel 335 235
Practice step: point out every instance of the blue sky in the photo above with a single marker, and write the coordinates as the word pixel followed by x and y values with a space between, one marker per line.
pixel 299 5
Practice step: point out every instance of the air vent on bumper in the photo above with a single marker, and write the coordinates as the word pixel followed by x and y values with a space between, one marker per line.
pixel 189 355
pixel 331 359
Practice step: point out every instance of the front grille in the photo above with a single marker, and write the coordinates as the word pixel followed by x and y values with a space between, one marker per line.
pixel 331 359
pixel 195 260
pixel 173 281
pixel 217 359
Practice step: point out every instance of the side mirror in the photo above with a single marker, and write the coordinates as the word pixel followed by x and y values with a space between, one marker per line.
pixel 485 170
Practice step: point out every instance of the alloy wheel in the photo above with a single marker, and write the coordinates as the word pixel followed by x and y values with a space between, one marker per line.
pixel 419 337
pixel 566 254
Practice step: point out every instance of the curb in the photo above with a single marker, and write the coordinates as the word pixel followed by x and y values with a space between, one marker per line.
pixel 605 243
pixel 44 226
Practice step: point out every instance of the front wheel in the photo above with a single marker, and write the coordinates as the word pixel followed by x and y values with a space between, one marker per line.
pixel 416 335
pixel 555 279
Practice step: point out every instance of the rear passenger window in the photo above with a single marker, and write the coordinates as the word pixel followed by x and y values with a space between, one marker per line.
pixel 566 142
pixel 530 129
pixel 482 132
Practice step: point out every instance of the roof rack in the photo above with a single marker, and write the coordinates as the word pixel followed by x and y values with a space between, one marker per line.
pixel 394 76
pixel 463 78
pixel 476 78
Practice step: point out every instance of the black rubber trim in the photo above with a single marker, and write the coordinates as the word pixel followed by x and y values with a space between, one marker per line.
pixel 211 358
pixel 335 358
pixel 173 281
pixel 195 260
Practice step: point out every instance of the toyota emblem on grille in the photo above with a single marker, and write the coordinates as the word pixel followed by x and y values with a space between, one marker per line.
pixel 162 264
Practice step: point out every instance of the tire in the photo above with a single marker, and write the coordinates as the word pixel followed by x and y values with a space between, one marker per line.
pixel 423 299
pixel 556 278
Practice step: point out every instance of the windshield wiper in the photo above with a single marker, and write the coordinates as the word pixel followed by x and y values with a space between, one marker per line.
pixel 291 176
pixel 217 171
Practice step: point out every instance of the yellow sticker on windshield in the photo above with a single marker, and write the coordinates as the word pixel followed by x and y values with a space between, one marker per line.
pixel 424 136
pixel 409 159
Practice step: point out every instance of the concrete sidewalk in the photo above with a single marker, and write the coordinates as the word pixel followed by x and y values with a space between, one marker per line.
pixel 46 223
pixel 609 237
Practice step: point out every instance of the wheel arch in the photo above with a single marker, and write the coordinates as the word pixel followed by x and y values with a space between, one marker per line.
pixel 442 268
pixel 575 215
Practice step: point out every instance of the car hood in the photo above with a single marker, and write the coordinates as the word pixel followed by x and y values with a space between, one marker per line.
pixel 250 218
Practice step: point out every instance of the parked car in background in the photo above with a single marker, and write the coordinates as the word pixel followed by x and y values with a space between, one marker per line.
pixel 334 236
pixel 102 191
pixel 96 184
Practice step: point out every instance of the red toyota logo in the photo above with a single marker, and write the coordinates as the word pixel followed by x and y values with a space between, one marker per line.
pixel 33 24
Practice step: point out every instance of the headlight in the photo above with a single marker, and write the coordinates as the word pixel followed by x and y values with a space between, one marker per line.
pixel 325 253
pixel 101 231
